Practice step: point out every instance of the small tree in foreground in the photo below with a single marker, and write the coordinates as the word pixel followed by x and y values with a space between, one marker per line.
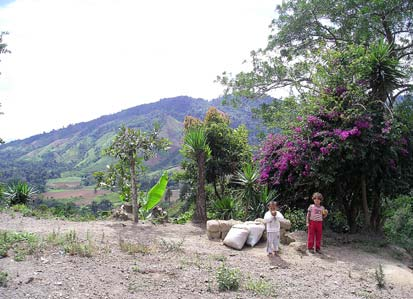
pixel 132 147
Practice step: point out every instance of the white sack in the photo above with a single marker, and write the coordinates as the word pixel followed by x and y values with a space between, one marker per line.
pixel 237 236
pixel 256 229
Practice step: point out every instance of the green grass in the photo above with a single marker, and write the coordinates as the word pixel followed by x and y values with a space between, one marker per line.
pixel 261 287
pixel 3 279
pixel 71 179
pixel 20 244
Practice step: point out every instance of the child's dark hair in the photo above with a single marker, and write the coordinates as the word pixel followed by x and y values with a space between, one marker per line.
pixel 272 203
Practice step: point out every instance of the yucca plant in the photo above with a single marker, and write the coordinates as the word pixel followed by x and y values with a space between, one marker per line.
pixel 19 193
pixel 195 147
pixel 247 178
pixel 225 208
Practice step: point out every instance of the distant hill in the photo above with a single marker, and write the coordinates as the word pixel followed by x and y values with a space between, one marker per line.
pixel 76 149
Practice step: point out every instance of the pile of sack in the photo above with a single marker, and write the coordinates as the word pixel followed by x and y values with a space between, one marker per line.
pixel 236 234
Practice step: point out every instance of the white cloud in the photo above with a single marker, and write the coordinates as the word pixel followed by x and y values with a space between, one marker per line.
pixel 76 60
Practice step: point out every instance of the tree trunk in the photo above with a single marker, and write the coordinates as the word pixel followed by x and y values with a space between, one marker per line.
pixel 375 220
pixel 364 201
pixel 216 189
pixel 200 213
pixel 134 195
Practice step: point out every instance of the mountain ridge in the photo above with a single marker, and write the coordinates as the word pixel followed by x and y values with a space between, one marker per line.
pixel 77 148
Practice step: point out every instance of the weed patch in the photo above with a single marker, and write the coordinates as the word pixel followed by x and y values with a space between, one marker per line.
pixel 134 248
pixel 21 243
pixel 3 279
pixel 171 246
pixel 228 279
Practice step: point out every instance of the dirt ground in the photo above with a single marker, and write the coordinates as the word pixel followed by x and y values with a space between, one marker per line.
pixel 180 262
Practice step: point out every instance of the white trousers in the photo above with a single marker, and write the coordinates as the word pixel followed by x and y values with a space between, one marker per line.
pixel 273 240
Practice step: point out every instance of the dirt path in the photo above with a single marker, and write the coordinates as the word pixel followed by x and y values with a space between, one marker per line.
pixel 178 261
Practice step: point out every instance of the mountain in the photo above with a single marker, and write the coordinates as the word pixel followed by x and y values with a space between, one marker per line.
pixel 76 149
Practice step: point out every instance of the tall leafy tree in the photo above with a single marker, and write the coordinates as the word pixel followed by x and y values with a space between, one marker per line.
pixel 303 30
pixel 195 147
pixel 229 149
pixel 132 147
pixel 347 58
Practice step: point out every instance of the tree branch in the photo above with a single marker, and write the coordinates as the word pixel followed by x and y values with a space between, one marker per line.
pixel 406 88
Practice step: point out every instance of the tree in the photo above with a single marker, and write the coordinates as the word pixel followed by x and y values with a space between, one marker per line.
pixel 348 136
pixel 132 147
pixel 195 147
pixel 342 61
pixel 229 149
pixel 303 30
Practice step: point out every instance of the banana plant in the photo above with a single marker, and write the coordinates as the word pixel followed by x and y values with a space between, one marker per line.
pixel 153 196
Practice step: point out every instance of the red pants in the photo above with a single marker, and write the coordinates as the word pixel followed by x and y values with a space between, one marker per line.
pixel 315 229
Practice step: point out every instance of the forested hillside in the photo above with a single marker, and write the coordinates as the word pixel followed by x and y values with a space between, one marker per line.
pixel 76 149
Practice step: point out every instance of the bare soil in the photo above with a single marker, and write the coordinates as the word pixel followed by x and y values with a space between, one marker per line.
pixel 166 269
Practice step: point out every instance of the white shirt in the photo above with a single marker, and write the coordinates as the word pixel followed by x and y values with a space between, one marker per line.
pixel 273 222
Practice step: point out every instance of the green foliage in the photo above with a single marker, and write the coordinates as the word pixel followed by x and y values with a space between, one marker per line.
pixel 225 208
pixel 184 217
pixel 171 245
pixel 228 279
pixel 73 246
pixel 19 193
pixel 398 226
pixel 131 148
pixel 379 275
pixel 261 287
pixel 156 193
pixel 3 279
pixel 134 248
pixel 297 218
pixel 337 221
pixel 21 243
pixel 247 179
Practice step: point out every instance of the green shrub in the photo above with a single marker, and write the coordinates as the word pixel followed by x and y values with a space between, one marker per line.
pixel 184 217
pixel 171 246
pixel 21 243
pixel 225 208
pixel 398 226
pixel 228 279
pixel 337 221
pixel 133 248
pixel 19 193
pixel 21 208
pixel 3 279
pixel 379 275
pixel 260 287
pixel 297 218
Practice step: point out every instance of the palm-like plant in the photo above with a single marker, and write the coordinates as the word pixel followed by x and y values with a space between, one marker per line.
pixel 225 208
pixel 384 71
pixel 19 193
pixel 247 178
pixel 195 147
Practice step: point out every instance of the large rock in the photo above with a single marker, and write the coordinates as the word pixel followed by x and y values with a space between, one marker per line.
pixel 285 224
pixel 120 213
pixel 299 246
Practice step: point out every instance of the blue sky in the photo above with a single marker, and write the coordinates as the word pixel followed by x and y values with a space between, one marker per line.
pixel 76 60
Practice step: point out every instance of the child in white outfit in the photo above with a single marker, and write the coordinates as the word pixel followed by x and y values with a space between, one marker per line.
pixel 272 220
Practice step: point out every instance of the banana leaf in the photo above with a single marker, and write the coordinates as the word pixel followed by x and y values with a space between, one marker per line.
pixel 156 193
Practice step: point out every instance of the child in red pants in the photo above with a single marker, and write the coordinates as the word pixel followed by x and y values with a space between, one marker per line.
pixel 315 215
